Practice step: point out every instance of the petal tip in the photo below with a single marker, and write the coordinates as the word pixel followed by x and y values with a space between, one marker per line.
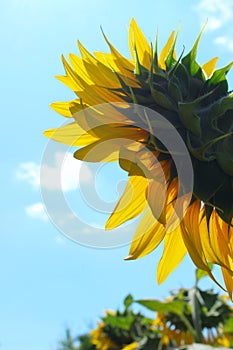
pixel 129 257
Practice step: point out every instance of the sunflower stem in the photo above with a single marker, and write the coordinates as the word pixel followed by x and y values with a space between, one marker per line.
pixel 196 312
pixel 188 325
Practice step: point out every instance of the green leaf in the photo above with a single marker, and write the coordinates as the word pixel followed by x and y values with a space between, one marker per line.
pixel 201 273
pixel 175 306
pixel 228 326
pixel 128 301
pixel 122 322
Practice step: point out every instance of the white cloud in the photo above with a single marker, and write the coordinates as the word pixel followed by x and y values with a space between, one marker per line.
pixel 60 240
pixel 217 12
pixel 225 41
pixel 36 211
pixel 29 172
pixel 65 173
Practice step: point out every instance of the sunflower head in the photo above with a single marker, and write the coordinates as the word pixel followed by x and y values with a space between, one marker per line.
pixel 128 110
pixel 214 312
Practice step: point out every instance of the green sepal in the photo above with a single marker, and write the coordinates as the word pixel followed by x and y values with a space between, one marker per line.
pixel 219 108
pixel 170 60
pixel 188 116
pixel 189 119
pixel 223 201
pixel 200 152
pixel 182 76
pixel 125 87
pixel 176 64
pixel 174 91
pixel 219 81
pixel 140 71
pixel 189 61
pixel 219 75
pixel 140 98
pixel 161 99
pixel 207 213
pixel 224 155
pixel 155 61
pixel 209 178
pixel 225 122
pixel 172 173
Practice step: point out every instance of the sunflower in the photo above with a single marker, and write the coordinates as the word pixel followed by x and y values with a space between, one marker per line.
pixel 125 110
pixel 100 339
pixel 212 324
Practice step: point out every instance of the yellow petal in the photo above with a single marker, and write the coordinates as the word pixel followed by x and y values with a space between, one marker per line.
pixel 75 79
pixel 173 253
pixel 209 66
pixel 191 236
pixel 90 93
pixel 228 280
pixel 79 67
pixel 205 239
pixel 67 81
pixel 67 109
pixel 107 59
pixel 147 237
pixel 122 65
pixel 77 106
pixel 100 151
pixel 165 51
pixel 194 234
pixel 219 242
pixel 94 95
pixel 118 64
pixel 138 41
pixel 95 122
pixel 156 197
pixel 132 346
pixel 131 204
pixel 101 115
pixel 62 108
pixel 91 64
pixel 172 191
pixel 71 134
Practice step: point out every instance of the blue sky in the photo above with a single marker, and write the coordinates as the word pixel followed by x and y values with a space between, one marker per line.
pixel 49 282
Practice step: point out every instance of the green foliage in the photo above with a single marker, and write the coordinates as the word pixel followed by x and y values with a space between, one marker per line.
pixel 69 342
pixel 85 343
pixel 193 309
pixel 175 306
pixel 188 310
pixel 125 327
